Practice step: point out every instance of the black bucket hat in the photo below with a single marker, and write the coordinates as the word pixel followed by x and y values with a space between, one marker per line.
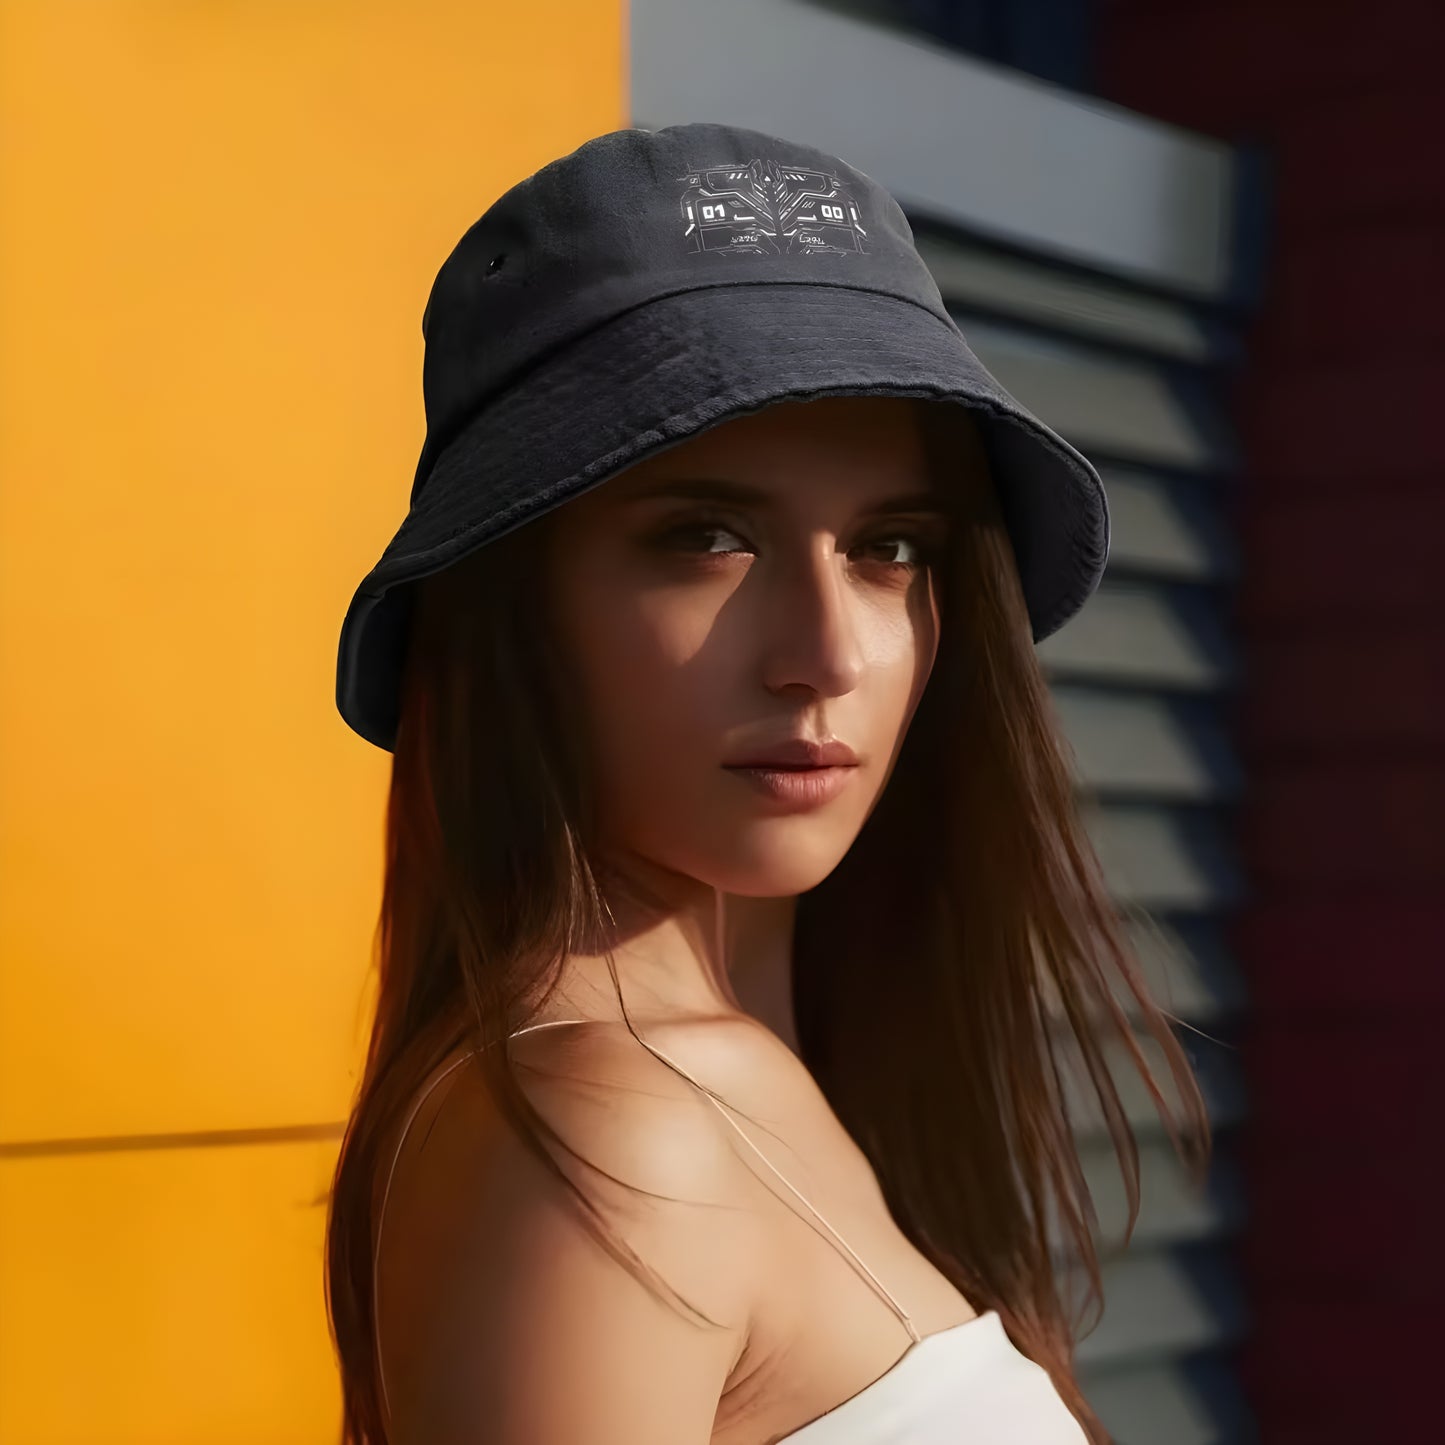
pixel 651 284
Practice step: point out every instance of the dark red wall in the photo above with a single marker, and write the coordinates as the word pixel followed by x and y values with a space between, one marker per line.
pixel 1341 716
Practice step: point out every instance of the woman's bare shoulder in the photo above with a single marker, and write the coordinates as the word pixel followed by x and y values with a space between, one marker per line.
pixel 485 1257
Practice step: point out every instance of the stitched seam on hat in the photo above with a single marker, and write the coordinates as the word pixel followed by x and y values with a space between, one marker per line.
pixel 521 377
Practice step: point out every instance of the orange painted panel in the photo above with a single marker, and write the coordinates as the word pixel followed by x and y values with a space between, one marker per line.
pixel 220 226
pixel 166 1297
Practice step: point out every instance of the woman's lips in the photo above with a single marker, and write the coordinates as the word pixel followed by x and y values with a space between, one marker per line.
pixel 795 789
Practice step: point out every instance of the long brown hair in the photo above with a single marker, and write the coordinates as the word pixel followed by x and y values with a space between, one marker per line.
pixel 960 963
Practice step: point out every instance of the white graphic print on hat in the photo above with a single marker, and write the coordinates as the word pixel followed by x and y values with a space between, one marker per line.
pixel 765 208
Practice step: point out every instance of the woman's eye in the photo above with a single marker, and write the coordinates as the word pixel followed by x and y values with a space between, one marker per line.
pixel 700 532
pixel 921 555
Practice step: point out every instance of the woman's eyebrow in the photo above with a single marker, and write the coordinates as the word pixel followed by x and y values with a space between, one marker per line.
pixel 718 489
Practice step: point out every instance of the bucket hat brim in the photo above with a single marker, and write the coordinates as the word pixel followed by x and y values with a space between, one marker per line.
pixel 668 369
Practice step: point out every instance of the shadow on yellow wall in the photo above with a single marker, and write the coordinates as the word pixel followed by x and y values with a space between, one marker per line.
pixel 221 222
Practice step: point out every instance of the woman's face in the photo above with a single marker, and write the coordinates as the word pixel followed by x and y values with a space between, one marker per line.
pixel 764 580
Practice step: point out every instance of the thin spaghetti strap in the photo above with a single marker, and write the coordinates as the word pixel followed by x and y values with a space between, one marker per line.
pixel 877 1283
pixel 386 1193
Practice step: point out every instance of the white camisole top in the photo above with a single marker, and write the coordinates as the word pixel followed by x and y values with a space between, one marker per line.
pixel 968 1385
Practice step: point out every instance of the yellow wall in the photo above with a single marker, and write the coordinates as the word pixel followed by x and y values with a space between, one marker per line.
pixel 218 226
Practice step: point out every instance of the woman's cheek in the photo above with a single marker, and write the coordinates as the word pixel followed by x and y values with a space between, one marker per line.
pixel 638 712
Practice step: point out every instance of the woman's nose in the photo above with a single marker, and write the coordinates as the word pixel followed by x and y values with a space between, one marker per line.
pixel 814 623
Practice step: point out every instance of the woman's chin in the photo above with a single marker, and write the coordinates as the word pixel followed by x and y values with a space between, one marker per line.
pixel 778 867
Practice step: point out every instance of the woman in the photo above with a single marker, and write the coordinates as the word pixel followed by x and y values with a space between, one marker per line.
pixel 708 1099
